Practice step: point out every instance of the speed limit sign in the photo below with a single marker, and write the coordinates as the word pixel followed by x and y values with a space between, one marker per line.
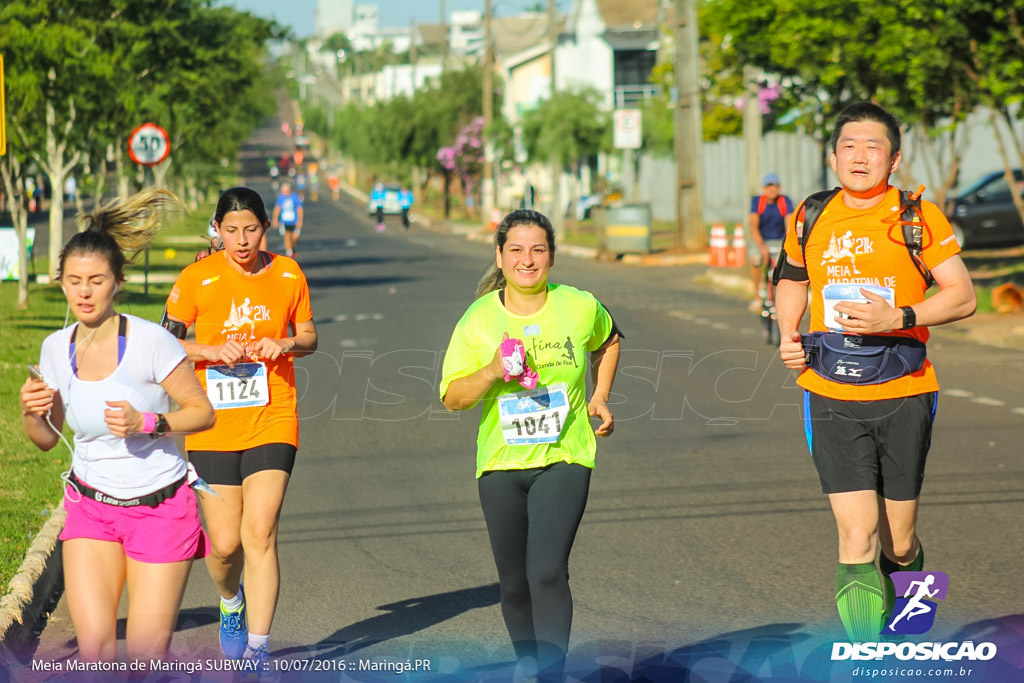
pixel 626 131
pixel 149 144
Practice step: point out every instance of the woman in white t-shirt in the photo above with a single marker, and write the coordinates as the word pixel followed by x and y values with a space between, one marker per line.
pixel 131 512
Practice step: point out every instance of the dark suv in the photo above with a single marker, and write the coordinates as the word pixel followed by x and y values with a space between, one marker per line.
pixel 983 215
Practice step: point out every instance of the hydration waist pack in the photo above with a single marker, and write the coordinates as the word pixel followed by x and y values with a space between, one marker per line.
pixel 868 359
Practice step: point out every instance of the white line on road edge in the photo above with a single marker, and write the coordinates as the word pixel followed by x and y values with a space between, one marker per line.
pixel 982 400
pixel 958 393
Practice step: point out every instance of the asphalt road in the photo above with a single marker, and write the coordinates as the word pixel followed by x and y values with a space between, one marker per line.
pixel 706 545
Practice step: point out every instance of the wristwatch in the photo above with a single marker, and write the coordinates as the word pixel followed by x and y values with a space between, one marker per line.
pixel 161 427
pixel 909 317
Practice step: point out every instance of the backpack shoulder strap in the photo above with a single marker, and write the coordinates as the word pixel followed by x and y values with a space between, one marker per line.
pixel 912 221
pixel 813 207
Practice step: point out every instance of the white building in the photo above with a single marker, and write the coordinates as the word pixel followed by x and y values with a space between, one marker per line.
pixel 466 33
pixel 611 45
pixel 332 16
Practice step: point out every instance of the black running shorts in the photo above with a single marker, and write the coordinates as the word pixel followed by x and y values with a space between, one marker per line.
pixel 229 468
pixel 870 446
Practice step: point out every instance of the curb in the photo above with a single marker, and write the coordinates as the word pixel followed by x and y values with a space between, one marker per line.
pixel 730 281
pixel 28 600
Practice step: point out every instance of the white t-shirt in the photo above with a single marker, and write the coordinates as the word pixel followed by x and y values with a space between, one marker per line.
pixel 132 466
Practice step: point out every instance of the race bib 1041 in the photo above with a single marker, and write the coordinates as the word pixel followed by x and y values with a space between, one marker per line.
pixel 534 417
pixel 242 386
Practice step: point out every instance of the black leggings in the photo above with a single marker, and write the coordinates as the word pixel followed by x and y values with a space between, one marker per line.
pixel 532 517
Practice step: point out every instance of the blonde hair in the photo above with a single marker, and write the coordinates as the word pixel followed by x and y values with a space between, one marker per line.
pixel 120 229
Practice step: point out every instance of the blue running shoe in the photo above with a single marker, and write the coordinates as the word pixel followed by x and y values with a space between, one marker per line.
pixel 233 630
pixel 260 657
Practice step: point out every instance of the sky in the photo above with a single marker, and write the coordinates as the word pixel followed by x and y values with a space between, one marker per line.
pixel 298 14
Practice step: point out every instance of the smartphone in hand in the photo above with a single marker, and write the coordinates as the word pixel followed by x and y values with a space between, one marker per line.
pixel 33 370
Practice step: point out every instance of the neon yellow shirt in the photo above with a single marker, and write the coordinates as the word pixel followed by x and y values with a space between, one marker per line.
pixel 557 339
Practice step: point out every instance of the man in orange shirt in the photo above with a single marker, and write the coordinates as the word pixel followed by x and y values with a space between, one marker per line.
pixel 869 438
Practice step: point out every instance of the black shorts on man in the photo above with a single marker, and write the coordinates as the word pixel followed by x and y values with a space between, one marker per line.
pixel 870 446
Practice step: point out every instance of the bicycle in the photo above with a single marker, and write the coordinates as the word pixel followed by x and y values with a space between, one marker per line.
pixel 768 315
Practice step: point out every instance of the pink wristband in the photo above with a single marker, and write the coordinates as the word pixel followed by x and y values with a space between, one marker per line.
pixel 148 423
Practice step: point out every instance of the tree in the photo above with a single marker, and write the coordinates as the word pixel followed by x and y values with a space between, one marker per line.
pixel 466 157
pixel 84 73
pixel 570 126
pixel 17 203
pixel 993 63
pixel 904 55
pixel 57 66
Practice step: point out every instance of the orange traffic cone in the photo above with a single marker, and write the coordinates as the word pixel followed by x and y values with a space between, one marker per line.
pixel 739 246
pixel 718 245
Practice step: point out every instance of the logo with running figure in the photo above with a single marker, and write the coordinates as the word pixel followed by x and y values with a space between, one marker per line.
pixel 914 612
pixel 846 246
pixel 553 353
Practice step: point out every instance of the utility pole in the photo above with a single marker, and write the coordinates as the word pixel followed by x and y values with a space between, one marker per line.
pixel 751 135
pixel 689 222
pixel 487 189
pixel 556 166
pixel 412 56
pixel 444 38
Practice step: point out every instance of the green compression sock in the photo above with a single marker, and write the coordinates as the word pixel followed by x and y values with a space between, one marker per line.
pixel 918 562
pixel 859 599
pixel 888 567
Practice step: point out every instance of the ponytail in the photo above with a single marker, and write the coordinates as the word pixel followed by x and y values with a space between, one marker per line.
pixel 120 230
pixel 491 280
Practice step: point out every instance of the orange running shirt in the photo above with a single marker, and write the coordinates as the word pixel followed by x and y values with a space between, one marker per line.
pixel 225 305
pixel 864 246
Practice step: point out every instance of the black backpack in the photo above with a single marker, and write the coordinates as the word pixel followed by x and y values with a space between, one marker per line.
pixel 911 220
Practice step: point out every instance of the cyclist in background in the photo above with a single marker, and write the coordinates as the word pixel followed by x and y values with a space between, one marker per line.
pixel 767 229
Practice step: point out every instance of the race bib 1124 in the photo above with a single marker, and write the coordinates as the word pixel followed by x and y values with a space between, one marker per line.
pixel 242 386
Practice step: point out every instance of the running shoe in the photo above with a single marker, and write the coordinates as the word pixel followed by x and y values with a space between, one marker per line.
pixel 234 633
pixel 260 655
pixel 380 227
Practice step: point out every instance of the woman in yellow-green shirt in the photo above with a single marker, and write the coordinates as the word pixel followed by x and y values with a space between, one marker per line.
pixel 535 448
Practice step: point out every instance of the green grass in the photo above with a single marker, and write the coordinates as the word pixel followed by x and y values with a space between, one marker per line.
pixel 29 479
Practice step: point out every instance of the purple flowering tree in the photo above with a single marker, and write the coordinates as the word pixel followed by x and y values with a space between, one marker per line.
pixel 466 158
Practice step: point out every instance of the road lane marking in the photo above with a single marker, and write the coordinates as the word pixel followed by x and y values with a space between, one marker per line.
pixel 958 393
